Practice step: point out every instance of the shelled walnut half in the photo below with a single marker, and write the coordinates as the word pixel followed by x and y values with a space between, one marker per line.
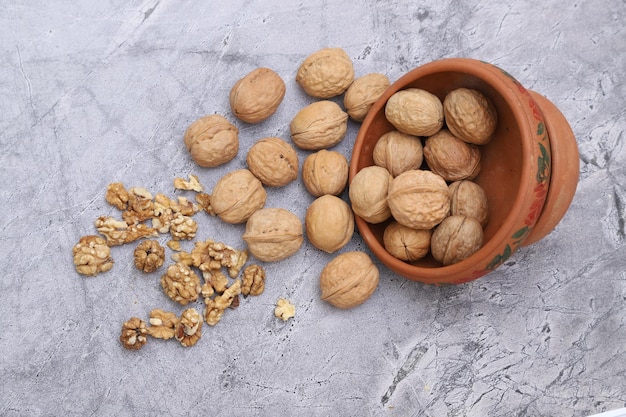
pixel 92 255
pixel 133 335
pixel 189 328
pixel 181 284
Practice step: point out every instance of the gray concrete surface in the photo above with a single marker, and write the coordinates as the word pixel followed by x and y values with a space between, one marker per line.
pixel 102 91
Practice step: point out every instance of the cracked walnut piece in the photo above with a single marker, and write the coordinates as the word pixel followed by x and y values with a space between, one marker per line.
pixel 162 324
pixel 189 328
pixel 149 256
pixel 192 185
pixel 181 284
pixel 215 307
pixel 253 280
pixel 92 255
pixel 119 232
pixel 284 309
pixel 117 195
pixel 133 335
pixel 183 227
pixel 140 206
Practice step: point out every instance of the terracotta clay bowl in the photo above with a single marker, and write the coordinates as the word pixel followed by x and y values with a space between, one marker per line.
pixel 529 168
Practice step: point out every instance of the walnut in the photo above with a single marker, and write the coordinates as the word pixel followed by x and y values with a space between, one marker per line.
pixel 181 205
pixel 193 184
pixel 119 232
pixel 398 152
pixel 181 284
pixel 363 93
pixel 468 199
pixel 215 307
pixel 329 223
pixel 450 157
pixel 273 161
pixel 163 214
pixel 456 238
pixel 217 280
pixel 92 255
pixel 140 206
pixel 212 140
pixel 204 203
pixel 162 324
pixel 237 195
pixel 189 328
pixel 415 112
pixel 320 125
pixel 405 243
pixel 253 280
pixel 325 172
pixel 183 257
pixel 133 335
pixel 228 257
pixel 349 279
pixel 273 234
pixel 368 194
pixel 284 310
pixel 419 199
pixel 257 96
pixel 326 73
pixel 149 256
pixel 470 115
pixel 183 227
pixel 174 245
pixel 117 195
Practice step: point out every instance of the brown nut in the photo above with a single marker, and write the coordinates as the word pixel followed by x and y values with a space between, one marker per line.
pixel 349 280
pixel 273 161
pixel 319 125
pixel 405 243
pixel 470 115
pixel 456 238
pixel 450 157
pixel 325 172
pixel 368 194
pixel 468 199
pixel 398 152
pixel 273 234
pixel 326 73
pixel 329 223
pixel 419 199
pixel 415 112
pixel 363 93
pixel 257 96
pixel 212 141
pixel 237 195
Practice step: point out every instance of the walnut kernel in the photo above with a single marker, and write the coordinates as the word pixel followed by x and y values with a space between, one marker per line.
pixel 162 324
pixel 149 255
pixel 253 280
pixel 117 195
pixel 133 335
pixel 92 255
pixel 215 307
pixel 193 184
pixel 181 284
pixel 189 328
pixel 284 310
pixel 119 232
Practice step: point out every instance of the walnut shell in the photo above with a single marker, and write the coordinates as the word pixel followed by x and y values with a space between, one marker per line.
pixel 398 152
pixel 212 141
pixel 419 199
pixel 273 161
pixel 329 223
pixel 415 112
pixel 325 172
pixel 456 238
pixel 319 125
pixel 368 194
pixel 237 195
pixel 256 96
pixel 405 243
pixel 450 157
pixel 470 115
pixel 273 234
pixel 363 93
pixel 326 73
pixel 468 199
pixel 349 280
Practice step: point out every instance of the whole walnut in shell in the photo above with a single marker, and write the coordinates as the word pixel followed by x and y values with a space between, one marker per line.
pixel 326 73
pixel 349 280
pixel 368 194
pixel 237 195
pixel 470 115
pixel 415 112
pixel 273 234
pixel 273 161
pixel 319 125
pixel 405 243
pixel 256 96
pixel 456 238
pixel 212 140
pixel 398 152
pixel 469 199
pixel 419 199
pixel 325 172
pixel 363 93
pixel 450 157
pixel 329 223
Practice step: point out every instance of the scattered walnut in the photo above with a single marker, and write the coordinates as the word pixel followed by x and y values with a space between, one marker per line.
pixel 149 256
pixel 237 195
pixel 228 257
pixel 140 206
pixel 204 203
pixel 183 257
pixel 215 307
pixel 284 310
pixel 368 194
pixel 181 205
pixel 320 125
pixel 192 185
pixel 117 195
pixel 470 115
pixel 183 227
pixel 257 96
pixel 189 328
pixel 216 279
pixel 468 199
pixel 349 279
pixel 329 223
pixel 273 161
pixel 162 324
pixel 363 93
pixel 133 335
pixel 326 73
pixel 174 245
pixel 163 214
pixel 273 234
pixel 398 152
pixel 119 232
pixel 253 280
pixel 325 172
pixel 450 157
pixel 181 284
pixel 456 238
pixel 212 140
pixel 92 255
pixel 415 112
pixel 405 243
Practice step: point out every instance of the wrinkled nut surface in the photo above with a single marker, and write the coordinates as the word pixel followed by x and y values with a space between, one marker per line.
pixel 320 125
pixel 469 199
pixel 253 281
pixel 134 334
pixel 419 199
pixel 363 93
pixel 325 172
pixel 284 310
pixel 326 73
pixel 181 284
pixel 329 223
pixel 162 324
pixel 368 194
pixel 237 195
pixel 92 255
pixel 273 161
pixel 349 280
pixel 450 157
pixel 212 140
pixel 398 152
pixel 273 234
pixel 149 255
pixel 470 115
pixel 415 112
pixel 456 238
pixel 189 328
pixel 256 96
pixel 405 243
